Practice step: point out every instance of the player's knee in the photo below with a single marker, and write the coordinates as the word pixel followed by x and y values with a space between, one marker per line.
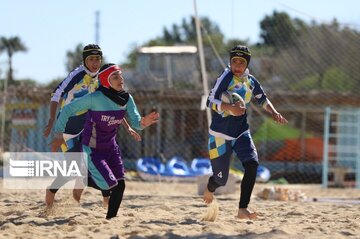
pixel 105 193
pixel 222 181
pixel 251 167
pixel 122 184
pixel 120 187
pixel 214 183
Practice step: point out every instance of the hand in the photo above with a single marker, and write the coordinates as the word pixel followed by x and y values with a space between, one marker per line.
pixel 48 128
pixel 279 118
pixel 134 134
pixel 149 119
pixel 237 109
pixel 57 142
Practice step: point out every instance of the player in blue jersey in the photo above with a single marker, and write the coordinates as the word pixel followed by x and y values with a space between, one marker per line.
pixel 106 107
pixel 81 81
pixel 230 133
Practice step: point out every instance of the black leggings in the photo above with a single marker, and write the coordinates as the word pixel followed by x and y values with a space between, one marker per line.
pixel 115 199
pixel 116 195
pixel 247 183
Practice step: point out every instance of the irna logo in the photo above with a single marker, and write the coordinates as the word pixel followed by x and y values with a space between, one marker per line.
pixel 41 168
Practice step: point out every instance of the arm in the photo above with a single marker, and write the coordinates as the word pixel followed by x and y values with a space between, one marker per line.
pixel 136 120
pixel 80 104
pixel 262 100
pixel 149 119
pixel 268 106
pixel 48 127
pixel 65 86
pixel 69 110
pixel 214 100
pixel 237 109
pixel 131 131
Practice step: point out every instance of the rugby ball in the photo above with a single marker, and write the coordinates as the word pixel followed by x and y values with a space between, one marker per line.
pixel 232 98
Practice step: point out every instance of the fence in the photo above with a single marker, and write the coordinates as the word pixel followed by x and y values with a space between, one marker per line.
pixel 293 151
pixel 341 148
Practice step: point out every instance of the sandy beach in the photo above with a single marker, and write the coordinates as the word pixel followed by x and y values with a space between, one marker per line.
pixel 175 210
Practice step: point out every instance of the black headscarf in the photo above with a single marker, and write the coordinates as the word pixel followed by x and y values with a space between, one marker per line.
pixel 119 97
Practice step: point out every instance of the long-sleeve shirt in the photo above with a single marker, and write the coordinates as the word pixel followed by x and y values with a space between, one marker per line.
pixel 224 125
pixel 103 118
pixel 78 83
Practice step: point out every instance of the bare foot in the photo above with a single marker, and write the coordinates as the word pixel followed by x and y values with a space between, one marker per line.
pixel 245 213
pixel 77 194
pixel 49 198
pixel 106 202
pixel 78 189
pixel 208 196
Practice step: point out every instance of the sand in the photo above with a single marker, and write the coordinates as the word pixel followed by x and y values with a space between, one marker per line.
pixel 174 210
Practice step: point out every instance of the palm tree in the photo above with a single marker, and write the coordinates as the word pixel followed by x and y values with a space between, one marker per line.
pixel 11 45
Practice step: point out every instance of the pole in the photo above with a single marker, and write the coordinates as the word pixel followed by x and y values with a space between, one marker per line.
pixel 3 116
pixel 97 27
pixel 357 173
pixel 202 64
pixel 326 147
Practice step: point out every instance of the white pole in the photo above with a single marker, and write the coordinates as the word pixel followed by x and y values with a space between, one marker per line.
pixel 97 27
pixel 326 147
pixel 3 114
pixel 168 71
pixel 202 64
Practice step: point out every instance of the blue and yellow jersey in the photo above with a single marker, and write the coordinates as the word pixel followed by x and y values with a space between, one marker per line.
pixel 77 84
pixel 224 125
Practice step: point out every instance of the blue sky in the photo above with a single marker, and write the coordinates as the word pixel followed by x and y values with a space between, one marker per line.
pixel 51 28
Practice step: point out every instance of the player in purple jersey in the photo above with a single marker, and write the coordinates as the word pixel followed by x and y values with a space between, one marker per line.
pixel 230 133
pixel 80 81
pixel 106 107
